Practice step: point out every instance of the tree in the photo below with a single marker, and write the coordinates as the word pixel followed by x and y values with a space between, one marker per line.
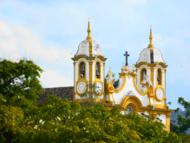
pixel 19 81
pixel 59 120
pixel 183 121
pixel 23 120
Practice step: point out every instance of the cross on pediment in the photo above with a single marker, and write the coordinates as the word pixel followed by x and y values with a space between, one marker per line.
pixel 126 58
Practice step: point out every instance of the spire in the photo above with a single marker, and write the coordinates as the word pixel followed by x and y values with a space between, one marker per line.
pixel 150 39
pixel 89 37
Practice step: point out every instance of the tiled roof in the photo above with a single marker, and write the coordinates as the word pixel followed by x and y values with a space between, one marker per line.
pixel 63 92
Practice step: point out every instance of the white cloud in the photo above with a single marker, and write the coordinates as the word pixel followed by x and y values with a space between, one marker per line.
pixel 52 78
pixel 17 42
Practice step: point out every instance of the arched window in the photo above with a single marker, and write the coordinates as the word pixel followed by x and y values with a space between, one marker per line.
pixel 82 70
pixel 159 77
pixel 143 75
pixel 97 70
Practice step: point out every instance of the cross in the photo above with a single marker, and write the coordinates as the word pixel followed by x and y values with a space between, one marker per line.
pixel 126 58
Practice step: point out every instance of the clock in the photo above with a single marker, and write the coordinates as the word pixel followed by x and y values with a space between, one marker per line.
pixel 81 87
pixel 98 88
pixel 160 93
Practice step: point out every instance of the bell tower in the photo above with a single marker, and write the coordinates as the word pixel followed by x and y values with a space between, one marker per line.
pixel 89 68
pixel 151 73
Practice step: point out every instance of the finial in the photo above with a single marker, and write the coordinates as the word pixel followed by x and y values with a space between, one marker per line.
pixel 89 38
pixel 150 39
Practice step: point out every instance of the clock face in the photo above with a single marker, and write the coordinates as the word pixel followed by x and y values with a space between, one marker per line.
pixel 98 88
pixel 160 94
pixel 81 87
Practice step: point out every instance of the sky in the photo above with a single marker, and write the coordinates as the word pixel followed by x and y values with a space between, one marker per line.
pixel 49 32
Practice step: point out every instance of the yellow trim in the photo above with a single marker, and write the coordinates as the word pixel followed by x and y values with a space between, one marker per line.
pixel 132 101
pixel 98 80
pixel 77 57
pixel 101 58
pixel 148 64
pixel 88 100
pixel 168 122
pixel 90 78
pixel 137 88
pixel 122 86
pixel 109 89
pixel 152 74
pixel 161 106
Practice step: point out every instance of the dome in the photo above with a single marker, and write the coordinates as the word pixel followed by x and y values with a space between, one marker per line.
pixel 145 55
pixel 150 54
pixel 83 48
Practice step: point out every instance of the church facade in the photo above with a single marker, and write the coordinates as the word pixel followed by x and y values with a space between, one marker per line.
pixel 141 89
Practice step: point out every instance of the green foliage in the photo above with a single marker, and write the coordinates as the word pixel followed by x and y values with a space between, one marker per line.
pixel 22 120
pixel 59 120
pixel 183 121
pixel 19 81
pixel 185 138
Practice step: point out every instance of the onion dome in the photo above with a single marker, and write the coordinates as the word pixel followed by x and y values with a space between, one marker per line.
pixel 89 46
pixel 150 54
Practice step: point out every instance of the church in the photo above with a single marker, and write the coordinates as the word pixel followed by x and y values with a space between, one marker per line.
pixel 140 89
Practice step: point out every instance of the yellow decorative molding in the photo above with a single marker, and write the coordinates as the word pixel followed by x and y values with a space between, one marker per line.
pixel 109 88
pixel 168 122
pixel 148 64
pixel 152 74
pixel 90 78
pixel 90 100
pixel 137 88
pixel 158 110
pixel 161 106
pixel 77 57
pixel 132 101
pixel 122 86
pixel 101 57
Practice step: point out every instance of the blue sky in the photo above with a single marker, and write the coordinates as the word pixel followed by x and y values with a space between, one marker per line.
pixel 49 32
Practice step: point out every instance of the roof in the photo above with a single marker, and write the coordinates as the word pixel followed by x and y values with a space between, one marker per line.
pixel 83 48
pixel 145 56
pixel 63 92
